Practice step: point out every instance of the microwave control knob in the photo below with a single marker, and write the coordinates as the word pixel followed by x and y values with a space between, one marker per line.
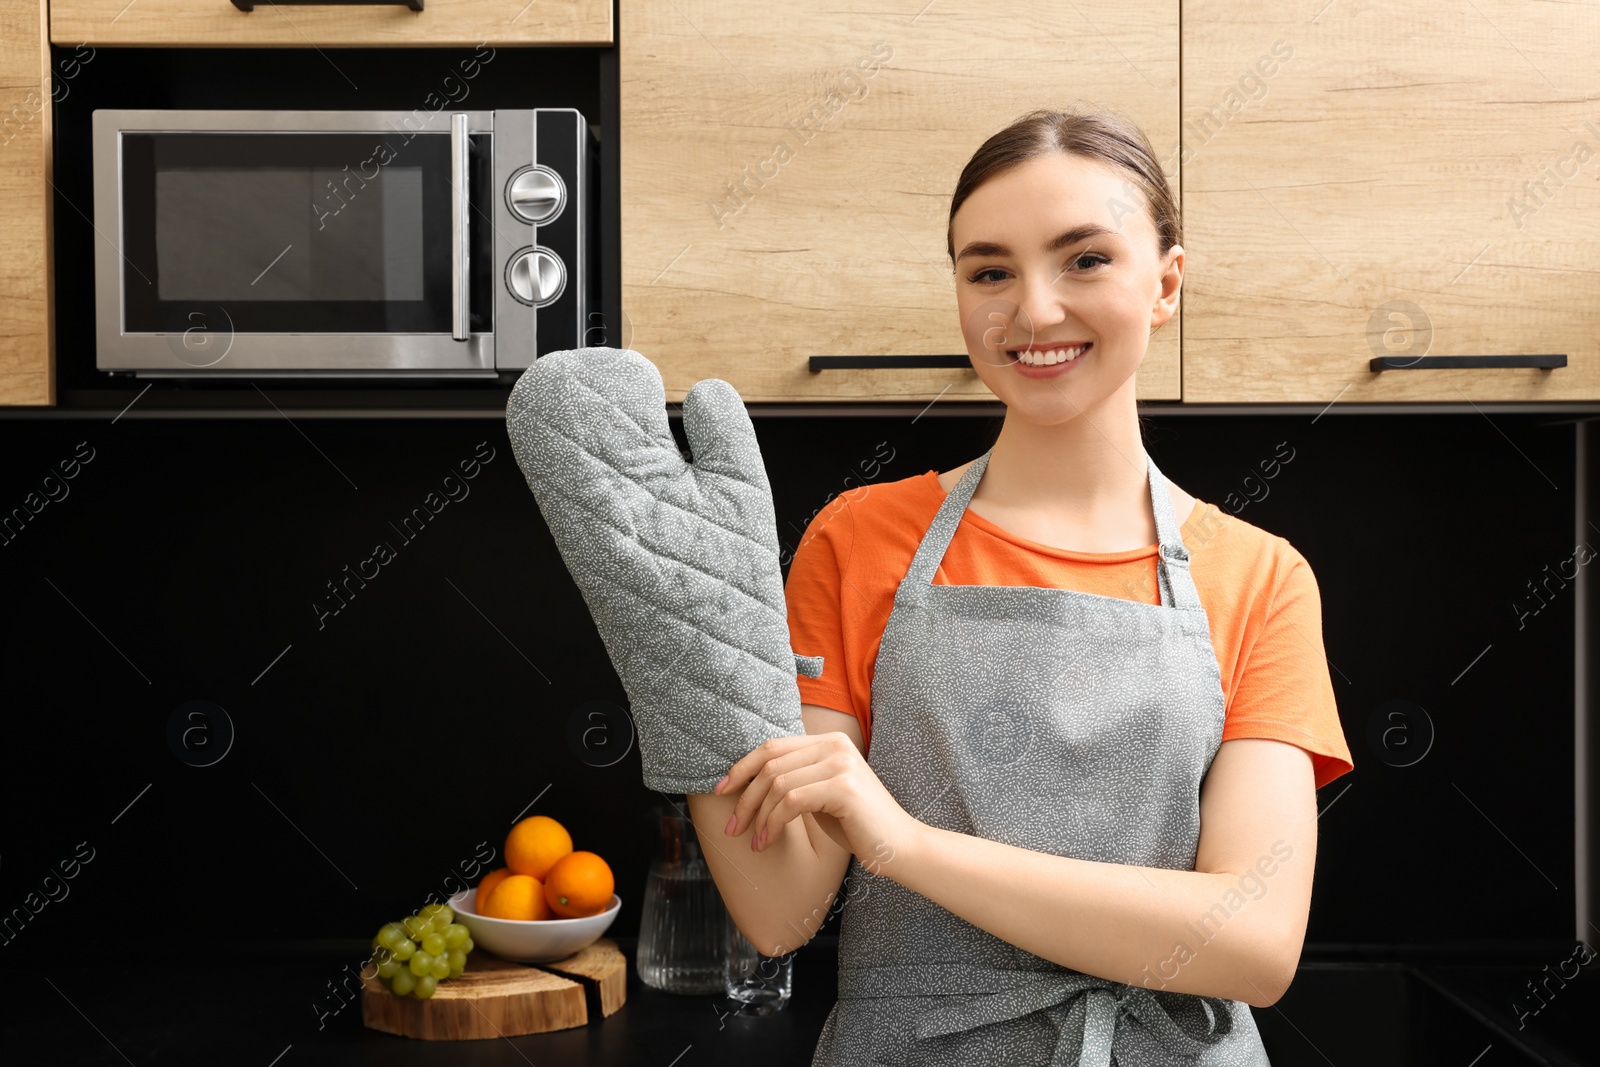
pixel 537 276
pixel 536 194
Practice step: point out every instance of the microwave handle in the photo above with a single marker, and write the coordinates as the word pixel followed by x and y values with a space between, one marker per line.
pixel 460 227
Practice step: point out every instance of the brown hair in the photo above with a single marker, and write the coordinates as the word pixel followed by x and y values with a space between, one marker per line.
pixel 1101 135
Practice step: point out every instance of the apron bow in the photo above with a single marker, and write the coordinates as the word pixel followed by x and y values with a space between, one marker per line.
pixel 1097 1008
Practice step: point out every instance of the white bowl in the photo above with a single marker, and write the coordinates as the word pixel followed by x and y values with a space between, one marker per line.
pixel 531 940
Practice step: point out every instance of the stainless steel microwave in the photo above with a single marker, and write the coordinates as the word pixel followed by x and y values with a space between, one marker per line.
pixel 341 243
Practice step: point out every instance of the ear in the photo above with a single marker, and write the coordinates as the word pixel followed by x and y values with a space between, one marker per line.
pixel 1171 288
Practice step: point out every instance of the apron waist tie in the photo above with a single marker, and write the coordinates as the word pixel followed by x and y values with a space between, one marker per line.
pixel 1096 1007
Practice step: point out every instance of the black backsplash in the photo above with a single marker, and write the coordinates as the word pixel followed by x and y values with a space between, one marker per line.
pixel 375 747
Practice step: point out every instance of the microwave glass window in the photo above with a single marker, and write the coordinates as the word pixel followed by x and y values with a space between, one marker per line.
pixel 227 235
pixel 293 232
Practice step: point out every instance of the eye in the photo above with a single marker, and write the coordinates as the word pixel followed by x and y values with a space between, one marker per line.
pixel 982 276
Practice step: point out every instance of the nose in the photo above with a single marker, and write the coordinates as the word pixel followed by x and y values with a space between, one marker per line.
pixel 1040 305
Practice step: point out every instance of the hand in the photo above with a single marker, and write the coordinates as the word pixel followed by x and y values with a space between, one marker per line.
pixel 826 775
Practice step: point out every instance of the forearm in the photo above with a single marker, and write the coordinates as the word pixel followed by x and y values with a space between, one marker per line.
pixel 1180 931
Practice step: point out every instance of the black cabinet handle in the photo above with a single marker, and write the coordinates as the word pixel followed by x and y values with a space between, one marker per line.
pixel 1558 359
pixel 250 5
pixel 844 362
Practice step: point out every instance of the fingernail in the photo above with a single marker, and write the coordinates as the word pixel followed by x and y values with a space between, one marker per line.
pixel 755 842
pixel 718 787
pixel 733 820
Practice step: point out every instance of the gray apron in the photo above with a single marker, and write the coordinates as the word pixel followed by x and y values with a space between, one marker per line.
pixel 1061 722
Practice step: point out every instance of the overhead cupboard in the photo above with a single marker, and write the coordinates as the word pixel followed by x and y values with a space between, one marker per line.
pixel 1398 180
pixel 406 23
pixel 786 180
pixel 26 333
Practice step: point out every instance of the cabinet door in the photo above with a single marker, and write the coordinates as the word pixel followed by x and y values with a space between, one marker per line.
pixel 440 24
pixel 787 173
pixel 1389 179
pixel 26 337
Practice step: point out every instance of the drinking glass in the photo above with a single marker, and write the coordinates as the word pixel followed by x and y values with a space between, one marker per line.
pixel 759 985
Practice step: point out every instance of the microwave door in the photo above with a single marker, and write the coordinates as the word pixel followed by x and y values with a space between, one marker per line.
pixel 296 252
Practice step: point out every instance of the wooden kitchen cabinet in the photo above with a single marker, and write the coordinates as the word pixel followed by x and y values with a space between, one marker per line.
pixel 27 333
pixel 1393 178
pixel 440 24
pixel 786 177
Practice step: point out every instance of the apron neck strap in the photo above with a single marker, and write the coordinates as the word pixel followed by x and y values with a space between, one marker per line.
pixel 1177 586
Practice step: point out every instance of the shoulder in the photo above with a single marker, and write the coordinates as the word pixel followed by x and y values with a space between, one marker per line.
pixel 1238 554
pixel 876 513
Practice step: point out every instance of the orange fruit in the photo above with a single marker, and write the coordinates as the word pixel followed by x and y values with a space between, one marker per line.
pixel 534 845
pixel 579 884
pixel 485 887
pixel 518 896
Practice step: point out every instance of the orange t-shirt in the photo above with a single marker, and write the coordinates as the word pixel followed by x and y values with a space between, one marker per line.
pixel 1259 594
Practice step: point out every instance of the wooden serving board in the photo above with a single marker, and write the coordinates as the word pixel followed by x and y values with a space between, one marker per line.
pixel 496 998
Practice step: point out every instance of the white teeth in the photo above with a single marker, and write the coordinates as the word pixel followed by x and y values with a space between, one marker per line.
pixel 1050 357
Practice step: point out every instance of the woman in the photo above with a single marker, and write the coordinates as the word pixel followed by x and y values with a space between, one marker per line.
pixel 1079 794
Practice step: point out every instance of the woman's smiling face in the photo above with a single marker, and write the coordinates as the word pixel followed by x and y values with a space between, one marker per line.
pixel 1056 250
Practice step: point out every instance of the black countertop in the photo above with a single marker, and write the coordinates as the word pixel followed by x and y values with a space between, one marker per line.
pixel 258 1007
pixel 250 1007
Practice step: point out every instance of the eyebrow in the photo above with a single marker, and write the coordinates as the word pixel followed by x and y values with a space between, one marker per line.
pixel 1055 244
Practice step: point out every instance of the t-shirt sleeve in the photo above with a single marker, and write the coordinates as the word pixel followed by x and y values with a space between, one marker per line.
pixel 1283 691
pixel 815 609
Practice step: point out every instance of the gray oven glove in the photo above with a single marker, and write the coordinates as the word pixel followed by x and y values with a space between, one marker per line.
pixel 678 561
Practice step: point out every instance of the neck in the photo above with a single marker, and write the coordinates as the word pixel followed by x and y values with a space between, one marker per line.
pixel 1091 466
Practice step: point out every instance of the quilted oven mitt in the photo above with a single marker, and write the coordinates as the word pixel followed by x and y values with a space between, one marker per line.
pixel 678 561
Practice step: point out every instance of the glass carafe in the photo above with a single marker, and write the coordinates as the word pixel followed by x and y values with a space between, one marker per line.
pixel 683 939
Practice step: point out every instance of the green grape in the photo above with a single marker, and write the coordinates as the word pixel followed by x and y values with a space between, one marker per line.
pixel 390 936
pixel 414 955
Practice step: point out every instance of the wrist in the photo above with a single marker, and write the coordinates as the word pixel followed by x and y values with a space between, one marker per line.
pixel 898 856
